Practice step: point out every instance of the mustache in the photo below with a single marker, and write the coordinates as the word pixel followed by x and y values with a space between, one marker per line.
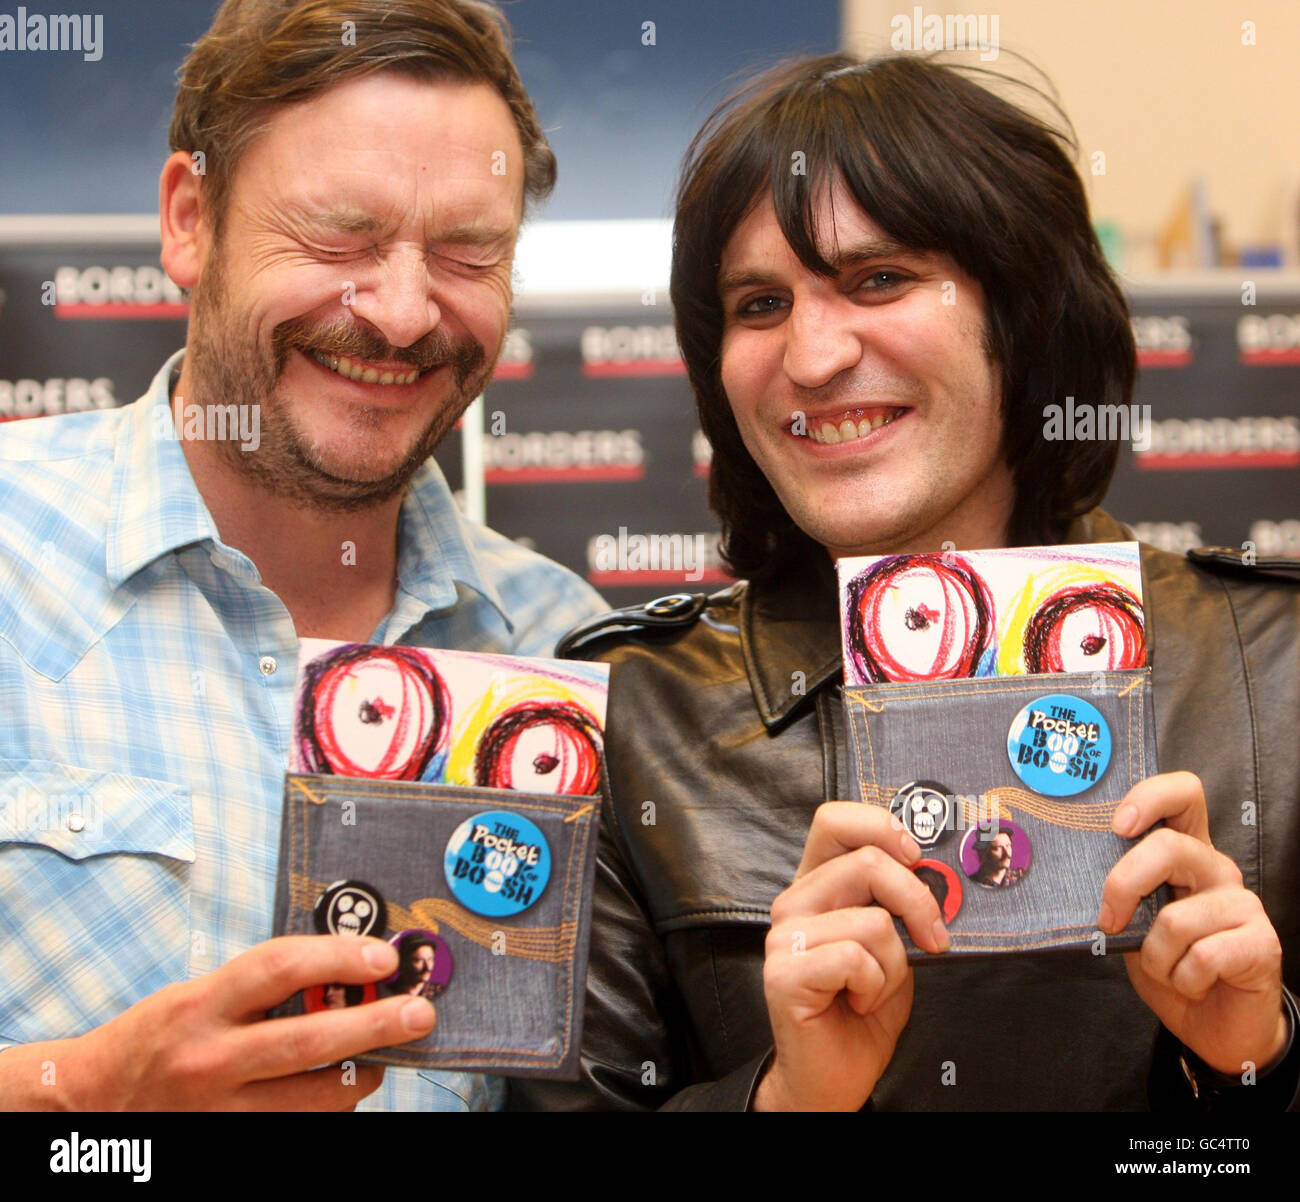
pixel 341 338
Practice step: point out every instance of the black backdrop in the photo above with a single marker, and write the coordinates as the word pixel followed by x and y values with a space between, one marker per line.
pixel 592 451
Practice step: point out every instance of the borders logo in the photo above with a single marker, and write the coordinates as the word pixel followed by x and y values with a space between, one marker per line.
pixel 1163 340
pixel 550 456
pixel 1219 442
pixel 110 293
pixel 516 360
pixel 1271 340
pixel 631 351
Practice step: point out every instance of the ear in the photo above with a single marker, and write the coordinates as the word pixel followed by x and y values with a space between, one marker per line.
pixel 186 235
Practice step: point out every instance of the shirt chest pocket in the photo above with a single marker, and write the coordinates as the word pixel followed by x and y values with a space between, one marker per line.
pixel 94 895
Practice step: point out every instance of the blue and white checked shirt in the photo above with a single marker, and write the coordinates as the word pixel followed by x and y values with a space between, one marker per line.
pixel 147 679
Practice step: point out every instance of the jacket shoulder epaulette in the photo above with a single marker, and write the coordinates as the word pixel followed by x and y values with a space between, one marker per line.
pixel 1235 561
pixel 676 611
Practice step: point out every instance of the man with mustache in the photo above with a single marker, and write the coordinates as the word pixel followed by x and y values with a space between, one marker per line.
pixel 995 868
pixel 418 956
pixel 344 194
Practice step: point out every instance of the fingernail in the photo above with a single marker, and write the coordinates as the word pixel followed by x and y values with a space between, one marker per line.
pixel 911 848
pixel 1126 819
pixel 379 956
pixel 417 1015
pixel 1106 918
pixel 940 933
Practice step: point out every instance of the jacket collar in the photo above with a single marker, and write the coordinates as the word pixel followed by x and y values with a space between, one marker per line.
pixel 1097 527
pixel 790 638
pixel 790 628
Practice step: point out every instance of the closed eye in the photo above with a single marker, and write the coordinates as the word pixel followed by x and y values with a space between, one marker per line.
pixel 469 266
pixel 329 252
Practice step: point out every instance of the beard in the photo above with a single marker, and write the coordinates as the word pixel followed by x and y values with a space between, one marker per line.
pixel 227 367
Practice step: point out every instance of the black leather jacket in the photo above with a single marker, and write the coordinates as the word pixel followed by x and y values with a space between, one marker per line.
pixel 725 734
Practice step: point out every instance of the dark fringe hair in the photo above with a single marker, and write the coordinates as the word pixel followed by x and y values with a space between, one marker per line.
pixel 941 164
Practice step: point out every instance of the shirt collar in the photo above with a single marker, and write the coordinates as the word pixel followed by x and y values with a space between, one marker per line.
pixel 156 508
pixel 436 553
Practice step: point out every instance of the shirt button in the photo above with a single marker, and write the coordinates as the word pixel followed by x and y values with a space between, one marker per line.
pixel 266 665
pixel 75 823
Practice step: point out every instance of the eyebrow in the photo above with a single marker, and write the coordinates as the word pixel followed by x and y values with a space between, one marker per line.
pixel 851 256
pixel 476 235
pixel 358 221
pixel 345 221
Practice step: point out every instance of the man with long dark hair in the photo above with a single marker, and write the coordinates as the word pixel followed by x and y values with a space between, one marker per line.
pixel 882 273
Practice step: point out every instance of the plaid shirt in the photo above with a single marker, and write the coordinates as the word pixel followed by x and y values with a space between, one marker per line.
pixel 147 679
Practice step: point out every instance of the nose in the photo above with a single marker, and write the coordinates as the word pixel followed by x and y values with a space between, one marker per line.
pixel 399 299
pixel 820 340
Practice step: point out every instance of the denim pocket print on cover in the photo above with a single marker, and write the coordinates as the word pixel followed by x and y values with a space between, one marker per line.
pixel 501 952
pixel 1011 801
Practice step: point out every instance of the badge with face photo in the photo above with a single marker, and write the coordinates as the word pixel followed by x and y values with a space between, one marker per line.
pixel 424 964
pixel 337 996
pixel 944 883
pixel 350 908
pixel 996 857
pixel 924 809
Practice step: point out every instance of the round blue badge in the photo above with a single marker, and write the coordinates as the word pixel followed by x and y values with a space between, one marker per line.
pixel 497 863
pixel 1059 745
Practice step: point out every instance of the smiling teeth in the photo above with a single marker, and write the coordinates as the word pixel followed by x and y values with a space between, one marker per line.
pixel 353 369
pixel 848 429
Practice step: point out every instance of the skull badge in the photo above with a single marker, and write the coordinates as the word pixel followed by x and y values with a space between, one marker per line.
pixel 350 908
pixel 924 809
